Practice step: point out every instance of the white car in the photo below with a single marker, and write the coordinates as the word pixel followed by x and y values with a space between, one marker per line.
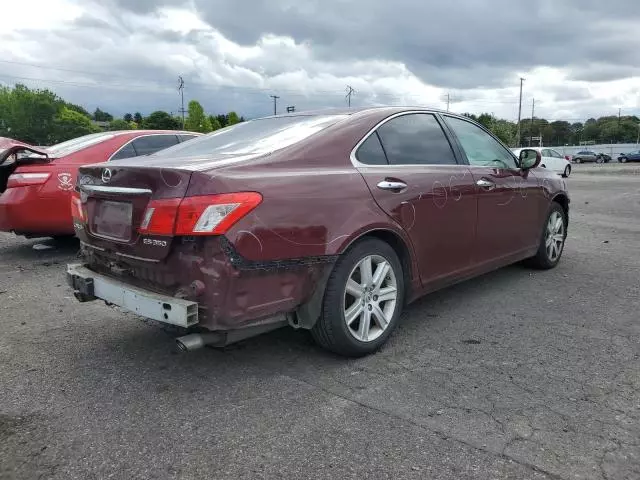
pixel 551 160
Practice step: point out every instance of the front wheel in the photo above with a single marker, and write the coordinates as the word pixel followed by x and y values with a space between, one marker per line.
pixel 623 160
pixel 362 301
pixel 567 171
pixel 578 160
pixel 554 234
pixel 599 160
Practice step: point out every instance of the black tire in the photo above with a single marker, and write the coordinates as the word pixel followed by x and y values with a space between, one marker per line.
pixel 541 259
pixel 599 160
pixel 578 160
pixel 331 330
pixel 624 160
pixel 567 171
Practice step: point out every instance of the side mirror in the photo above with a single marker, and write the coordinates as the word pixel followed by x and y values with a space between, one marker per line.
pixel 529 158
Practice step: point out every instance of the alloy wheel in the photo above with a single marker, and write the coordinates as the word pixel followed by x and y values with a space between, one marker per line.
pixel 370 298
pixel 555 234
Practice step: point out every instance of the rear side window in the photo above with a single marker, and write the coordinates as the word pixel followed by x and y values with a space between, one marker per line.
pixel 152 143
pixel 416 139
pixel 125 152
pixel 371 152
pixel 184 138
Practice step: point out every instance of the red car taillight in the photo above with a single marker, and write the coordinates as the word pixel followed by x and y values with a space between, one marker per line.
pixel 77 210
pixel 26 179
pixel 201 215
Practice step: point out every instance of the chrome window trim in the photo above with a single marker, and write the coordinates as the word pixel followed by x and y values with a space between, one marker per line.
pixel 358 164
pixel 115 190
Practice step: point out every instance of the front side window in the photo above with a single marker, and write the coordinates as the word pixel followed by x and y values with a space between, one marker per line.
pixel 481 148
pixel 153 143
pixel 416 139
pixel 555 154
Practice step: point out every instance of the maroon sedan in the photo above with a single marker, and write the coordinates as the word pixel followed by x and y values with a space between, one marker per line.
pixel 328 221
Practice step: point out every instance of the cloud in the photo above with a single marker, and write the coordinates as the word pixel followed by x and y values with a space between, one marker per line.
pixel 122 55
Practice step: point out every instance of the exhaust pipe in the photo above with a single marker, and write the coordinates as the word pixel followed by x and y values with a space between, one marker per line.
pixel 195 341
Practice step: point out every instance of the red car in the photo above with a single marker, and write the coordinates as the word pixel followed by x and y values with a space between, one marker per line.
pixel 36 182
pixel 326 221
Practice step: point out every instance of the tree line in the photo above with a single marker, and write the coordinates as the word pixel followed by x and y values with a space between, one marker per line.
pixel 609 129
pixel 40 117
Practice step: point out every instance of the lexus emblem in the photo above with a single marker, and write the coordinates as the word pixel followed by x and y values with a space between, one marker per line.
pixel 106 175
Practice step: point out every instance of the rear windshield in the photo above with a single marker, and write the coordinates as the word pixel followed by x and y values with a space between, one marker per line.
pixel 260 136
pixel 71 146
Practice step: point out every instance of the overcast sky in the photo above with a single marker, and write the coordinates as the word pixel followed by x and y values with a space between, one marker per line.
pixel 580 58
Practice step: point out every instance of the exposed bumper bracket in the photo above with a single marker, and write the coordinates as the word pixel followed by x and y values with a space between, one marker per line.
pixel 89 285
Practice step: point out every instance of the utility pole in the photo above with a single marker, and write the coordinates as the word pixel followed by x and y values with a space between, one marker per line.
pixel 519 114
pixel 275 103
pixel 618 129
pixel 181 90
pixel 533 109
pixel 350 91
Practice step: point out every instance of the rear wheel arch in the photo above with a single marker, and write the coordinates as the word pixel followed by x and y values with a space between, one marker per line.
pixel 399 245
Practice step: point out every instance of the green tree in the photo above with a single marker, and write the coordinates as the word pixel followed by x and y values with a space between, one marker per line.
pixel 197 121
pixel 78 108
pixel 232 118
pixel 128 117
pixel 137 117
pixel 28 115
pixel 160 120
pixel 70 124
pixel 222 120
pixel 215 124
pixel 100 116
pixel 119 124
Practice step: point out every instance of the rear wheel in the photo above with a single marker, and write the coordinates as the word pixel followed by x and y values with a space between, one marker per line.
pixel 567 171
pixel 554 234
pixel 363 300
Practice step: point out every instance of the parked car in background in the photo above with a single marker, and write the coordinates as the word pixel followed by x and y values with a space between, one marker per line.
pixel 585 156
pixel 629 157
pixel 551 160
pixel 36 182
pixel 327 221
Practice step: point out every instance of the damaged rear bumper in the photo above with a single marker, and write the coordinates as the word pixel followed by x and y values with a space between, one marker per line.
pixel 88 285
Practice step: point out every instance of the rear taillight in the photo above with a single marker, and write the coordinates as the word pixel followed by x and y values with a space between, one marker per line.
pixel 26 179
pixel 201 215
pixel 77 210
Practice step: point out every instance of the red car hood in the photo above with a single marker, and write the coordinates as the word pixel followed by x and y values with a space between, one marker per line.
pixel 9 146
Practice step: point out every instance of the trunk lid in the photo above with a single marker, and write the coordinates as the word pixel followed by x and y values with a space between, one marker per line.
pixel 115 200
pixel 14 153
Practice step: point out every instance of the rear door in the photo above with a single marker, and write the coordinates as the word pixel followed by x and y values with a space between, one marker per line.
pixel 508 198
pixel 413 174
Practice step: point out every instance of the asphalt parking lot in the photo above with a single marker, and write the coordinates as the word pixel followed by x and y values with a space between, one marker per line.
pixel 517 374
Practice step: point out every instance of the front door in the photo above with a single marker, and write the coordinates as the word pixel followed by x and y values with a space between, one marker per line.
pixel 412 172
pixel 508 198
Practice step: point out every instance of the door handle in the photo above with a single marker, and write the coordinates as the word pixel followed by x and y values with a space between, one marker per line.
pixel 486 184
pixel 393 186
